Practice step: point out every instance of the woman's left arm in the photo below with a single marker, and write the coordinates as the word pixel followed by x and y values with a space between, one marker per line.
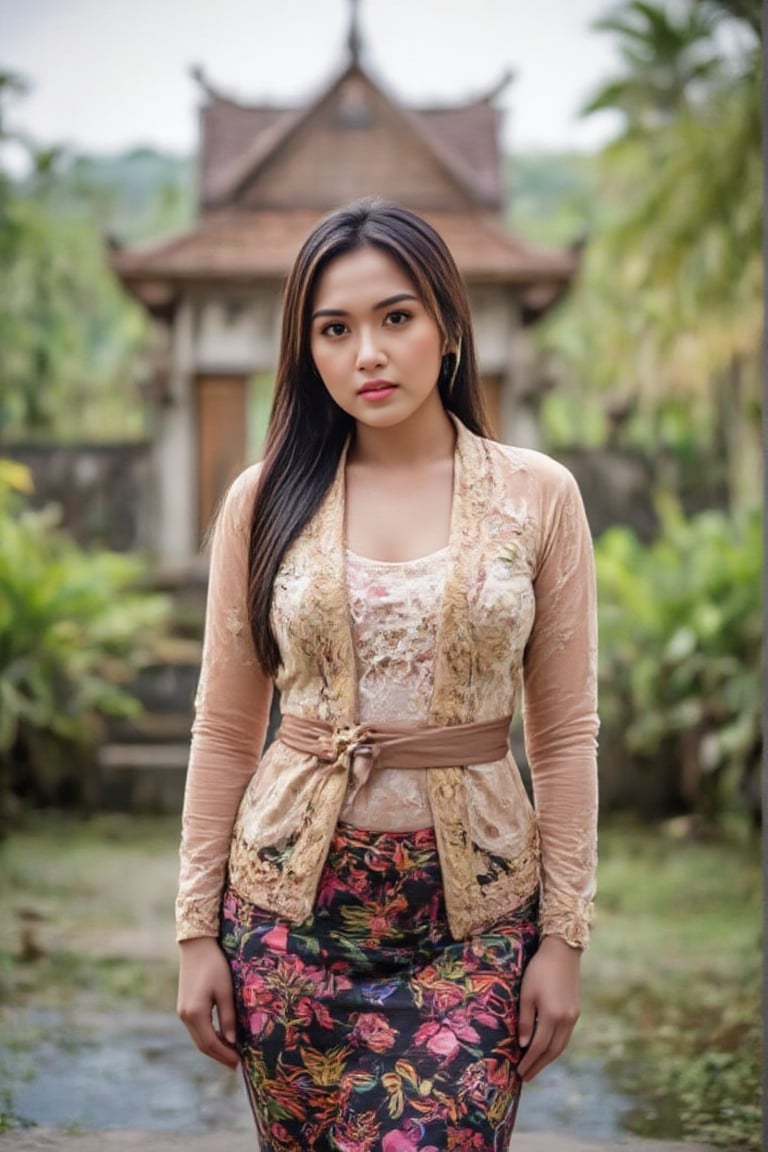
pixel 561 726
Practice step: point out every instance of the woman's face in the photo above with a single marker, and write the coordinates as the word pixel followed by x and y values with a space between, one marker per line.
pixel 375 345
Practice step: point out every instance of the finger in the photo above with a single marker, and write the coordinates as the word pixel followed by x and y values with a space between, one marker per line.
pixel 225 1012
pixel 527 1021
pixel 557 1044
pixel 211 1044
pixel 542 1038
pixel 200 1027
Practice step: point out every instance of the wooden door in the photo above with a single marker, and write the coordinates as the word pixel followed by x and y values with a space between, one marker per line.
pixel 222 417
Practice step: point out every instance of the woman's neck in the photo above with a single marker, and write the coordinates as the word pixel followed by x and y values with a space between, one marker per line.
pixel 428 436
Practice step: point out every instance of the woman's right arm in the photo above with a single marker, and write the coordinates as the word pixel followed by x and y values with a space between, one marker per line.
pixel 231 716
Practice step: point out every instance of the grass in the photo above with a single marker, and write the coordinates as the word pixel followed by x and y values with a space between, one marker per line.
pixel 86 911
pixel 85 924
pixel 672 984
pixel 671 980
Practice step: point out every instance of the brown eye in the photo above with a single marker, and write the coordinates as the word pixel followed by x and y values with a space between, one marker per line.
pixel 335 328
pixel 397 318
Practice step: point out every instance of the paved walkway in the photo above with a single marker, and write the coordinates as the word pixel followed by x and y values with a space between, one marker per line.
pixel 48 1140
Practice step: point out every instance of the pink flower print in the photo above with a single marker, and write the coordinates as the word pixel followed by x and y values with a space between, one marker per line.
pixel 255 992
pixel 442 1039
pixel 260 1023
pixel 459 1021
pixel 303 1012
pixel 322 1015
pixel 276 940
pixel 397 1142
pixel 280 1132
pixel 377 926
pixel 476 1141
pixel 373 1030
pixel 446 996
pixel 406 1140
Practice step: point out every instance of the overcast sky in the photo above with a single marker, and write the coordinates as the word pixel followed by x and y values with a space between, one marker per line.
pixel 111 74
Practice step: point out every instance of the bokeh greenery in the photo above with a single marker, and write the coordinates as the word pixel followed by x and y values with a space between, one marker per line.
pixel 658 350
pixel 74 627
pixel 680 656
pixel 659 345
pixel 73 347
pixel 673 982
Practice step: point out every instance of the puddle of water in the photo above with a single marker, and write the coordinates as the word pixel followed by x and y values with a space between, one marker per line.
pixel 574 1096
pixel 127 1071
pixel 140 1070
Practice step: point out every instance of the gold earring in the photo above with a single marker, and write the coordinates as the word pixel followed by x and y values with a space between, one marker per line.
pixel 455 370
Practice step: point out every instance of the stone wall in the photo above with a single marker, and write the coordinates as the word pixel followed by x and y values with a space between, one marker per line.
pixel 617 487
pixel 104 490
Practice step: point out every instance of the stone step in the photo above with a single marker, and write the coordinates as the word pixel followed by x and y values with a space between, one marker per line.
pixel 167 687
pixel 142 777
pixel 151 728
pixel 113 757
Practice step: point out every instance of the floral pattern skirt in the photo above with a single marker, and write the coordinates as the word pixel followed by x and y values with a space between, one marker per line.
pixel 368 1028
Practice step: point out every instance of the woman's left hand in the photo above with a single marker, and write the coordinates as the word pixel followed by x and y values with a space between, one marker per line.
pixel 549 1004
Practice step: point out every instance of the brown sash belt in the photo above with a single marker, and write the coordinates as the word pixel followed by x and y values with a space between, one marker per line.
pixel 395 745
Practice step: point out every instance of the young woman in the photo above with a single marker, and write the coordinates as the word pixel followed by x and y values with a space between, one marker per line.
pixel 373 919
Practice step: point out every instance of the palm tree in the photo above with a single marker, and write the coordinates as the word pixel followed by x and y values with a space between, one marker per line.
pixel 669 59
pixel 748 12
pixel 684 246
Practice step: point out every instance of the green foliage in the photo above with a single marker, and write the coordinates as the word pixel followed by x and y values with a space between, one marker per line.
pixel 135 195
pixel 551 195
pixel 72 628
pixel 672 983
pixel 668 56
pixel 704 1081
pixel 72 345
pixel 667 312
pixel 680 628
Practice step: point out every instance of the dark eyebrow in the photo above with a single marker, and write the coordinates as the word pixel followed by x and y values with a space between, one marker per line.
pixel 390 300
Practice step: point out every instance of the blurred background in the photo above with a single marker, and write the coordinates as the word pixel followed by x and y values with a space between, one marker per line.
pixel 596 170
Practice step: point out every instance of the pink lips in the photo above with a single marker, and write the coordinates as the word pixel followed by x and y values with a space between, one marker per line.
pixel 376 390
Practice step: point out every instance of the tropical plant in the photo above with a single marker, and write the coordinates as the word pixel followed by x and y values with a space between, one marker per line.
pixel 681 631
pixel 70 342
pixel 669 309
pixel 74 626
pixel 668 58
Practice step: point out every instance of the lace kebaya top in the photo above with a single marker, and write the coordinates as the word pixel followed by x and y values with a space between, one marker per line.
pixel 449 639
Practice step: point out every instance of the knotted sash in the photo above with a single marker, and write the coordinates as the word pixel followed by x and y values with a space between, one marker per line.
pixel 353 751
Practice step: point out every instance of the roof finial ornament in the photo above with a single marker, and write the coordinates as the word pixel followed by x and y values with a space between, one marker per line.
pixel 354 39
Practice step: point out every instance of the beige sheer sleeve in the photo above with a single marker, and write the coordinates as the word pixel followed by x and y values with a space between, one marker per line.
pixel 561 725
pixel 231 714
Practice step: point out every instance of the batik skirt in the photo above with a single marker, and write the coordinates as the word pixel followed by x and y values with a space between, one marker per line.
pixel 368 1028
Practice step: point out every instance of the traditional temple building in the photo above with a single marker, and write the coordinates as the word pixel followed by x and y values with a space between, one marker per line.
pixel 266 175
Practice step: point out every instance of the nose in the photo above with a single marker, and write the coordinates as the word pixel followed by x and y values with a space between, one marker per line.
pixel 370 353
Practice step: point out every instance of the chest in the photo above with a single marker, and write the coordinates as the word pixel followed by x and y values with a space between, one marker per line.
pixel 399 516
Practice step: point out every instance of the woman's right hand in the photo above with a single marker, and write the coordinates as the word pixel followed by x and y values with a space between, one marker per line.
pixel 205 984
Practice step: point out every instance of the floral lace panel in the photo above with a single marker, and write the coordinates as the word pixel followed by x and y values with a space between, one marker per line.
pixel 394 612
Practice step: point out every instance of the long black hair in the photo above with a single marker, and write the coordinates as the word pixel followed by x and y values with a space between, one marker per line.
pixel 307 429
